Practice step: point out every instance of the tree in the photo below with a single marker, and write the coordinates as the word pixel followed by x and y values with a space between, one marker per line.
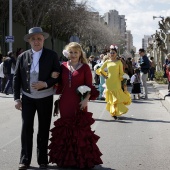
pixel 30 12
pixel 64 19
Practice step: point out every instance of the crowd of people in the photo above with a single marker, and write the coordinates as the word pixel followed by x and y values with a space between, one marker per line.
pixel 145 67
pixel 36 75
pixel 7 68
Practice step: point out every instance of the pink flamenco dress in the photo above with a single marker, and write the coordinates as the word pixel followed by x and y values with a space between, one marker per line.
pixel 73 143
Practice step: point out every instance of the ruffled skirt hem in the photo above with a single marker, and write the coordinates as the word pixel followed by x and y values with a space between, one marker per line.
pixel 73 143
pixel 117 101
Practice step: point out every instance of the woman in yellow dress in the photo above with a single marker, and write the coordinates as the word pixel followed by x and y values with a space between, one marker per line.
pixel 115 97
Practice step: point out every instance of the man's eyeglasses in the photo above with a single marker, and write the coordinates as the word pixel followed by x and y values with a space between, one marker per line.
pixel 112 53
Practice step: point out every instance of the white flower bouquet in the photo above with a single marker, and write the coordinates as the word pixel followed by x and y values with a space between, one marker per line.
pixel 125 78
pixel 83 90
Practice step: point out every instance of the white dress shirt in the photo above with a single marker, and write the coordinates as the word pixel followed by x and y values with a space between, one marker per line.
pixel 35 64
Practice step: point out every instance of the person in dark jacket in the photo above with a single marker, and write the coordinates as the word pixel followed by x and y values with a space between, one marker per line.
pixel 8 70
pixel 144 68
pixel 33 75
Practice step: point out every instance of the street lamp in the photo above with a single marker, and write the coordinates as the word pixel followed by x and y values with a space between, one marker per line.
pixel 10 23
pixel 157 17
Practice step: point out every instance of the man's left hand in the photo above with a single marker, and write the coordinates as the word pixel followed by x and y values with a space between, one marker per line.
pixel 38 85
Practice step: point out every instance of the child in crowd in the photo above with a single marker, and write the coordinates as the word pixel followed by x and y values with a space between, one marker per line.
pixel 135 81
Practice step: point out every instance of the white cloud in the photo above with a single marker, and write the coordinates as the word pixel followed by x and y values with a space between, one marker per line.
pixel 139 14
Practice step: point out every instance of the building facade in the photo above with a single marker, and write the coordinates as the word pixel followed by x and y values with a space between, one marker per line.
pixel 145 41
pixel 117 24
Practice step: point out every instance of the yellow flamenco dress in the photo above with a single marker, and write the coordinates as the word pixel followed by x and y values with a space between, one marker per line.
pixel 116 98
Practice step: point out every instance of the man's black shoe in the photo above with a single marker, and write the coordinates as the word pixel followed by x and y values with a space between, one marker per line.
pixel 23 166
pixel 43 166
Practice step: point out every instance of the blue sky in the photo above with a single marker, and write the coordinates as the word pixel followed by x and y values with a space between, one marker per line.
pixel 139 14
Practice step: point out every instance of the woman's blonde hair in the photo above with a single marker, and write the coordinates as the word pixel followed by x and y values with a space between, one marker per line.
pixel 78 47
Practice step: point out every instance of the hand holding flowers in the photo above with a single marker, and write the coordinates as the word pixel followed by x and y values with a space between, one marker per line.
pixel 125 78
pixel 84 92
pixel 124 81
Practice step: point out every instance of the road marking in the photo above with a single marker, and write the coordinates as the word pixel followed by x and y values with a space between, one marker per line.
pixel 9 142
pixel 14 140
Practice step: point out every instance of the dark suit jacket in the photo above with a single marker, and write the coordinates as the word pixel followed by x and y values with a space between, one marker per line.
pixel 47 64
pixel 144 63
pixel 9 61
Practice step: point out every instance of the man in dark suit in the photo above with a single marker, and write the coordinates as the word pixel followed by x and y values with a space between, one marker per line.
pixel 33 76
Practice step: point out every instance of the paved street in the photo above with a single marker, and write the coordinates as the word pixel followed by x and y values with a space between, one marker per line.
pixel 140 140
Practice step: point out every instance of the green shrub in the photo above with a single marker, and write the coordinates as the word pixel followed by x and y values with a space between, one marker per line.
pixel 159 77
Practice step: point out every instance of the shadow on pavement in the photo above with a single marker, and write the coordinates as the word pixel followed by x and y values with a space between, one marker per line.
pixel 140 120
pixel 144 101
pixel 99 167
pixel 103 120
pixel 123 119
pixel 49 167
pixel 141 101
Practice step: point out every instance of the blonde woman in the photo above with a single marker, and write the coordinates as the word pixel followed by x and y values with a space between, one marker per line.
pixel 73 144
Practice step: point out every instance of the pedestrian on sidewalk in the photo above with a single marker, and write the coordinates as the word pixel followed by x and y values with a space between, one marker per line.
pixel 144 69
pixel 152 69
pixel 8 69
pixel 116 98
pixel 135 81
pixel 2 76
pixel 33 74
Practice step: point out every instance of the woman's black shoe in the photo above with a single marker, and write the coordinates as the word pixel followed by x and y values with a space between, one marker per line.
pixel 115 117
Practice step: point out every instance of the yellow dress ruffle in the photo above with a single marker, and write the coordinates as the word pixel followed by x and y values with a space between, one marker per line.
pixel 116 101
pixel 116 98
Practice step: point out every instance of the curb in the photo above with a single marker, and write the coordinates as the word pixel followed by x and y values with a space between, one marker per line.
pixel 162 89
